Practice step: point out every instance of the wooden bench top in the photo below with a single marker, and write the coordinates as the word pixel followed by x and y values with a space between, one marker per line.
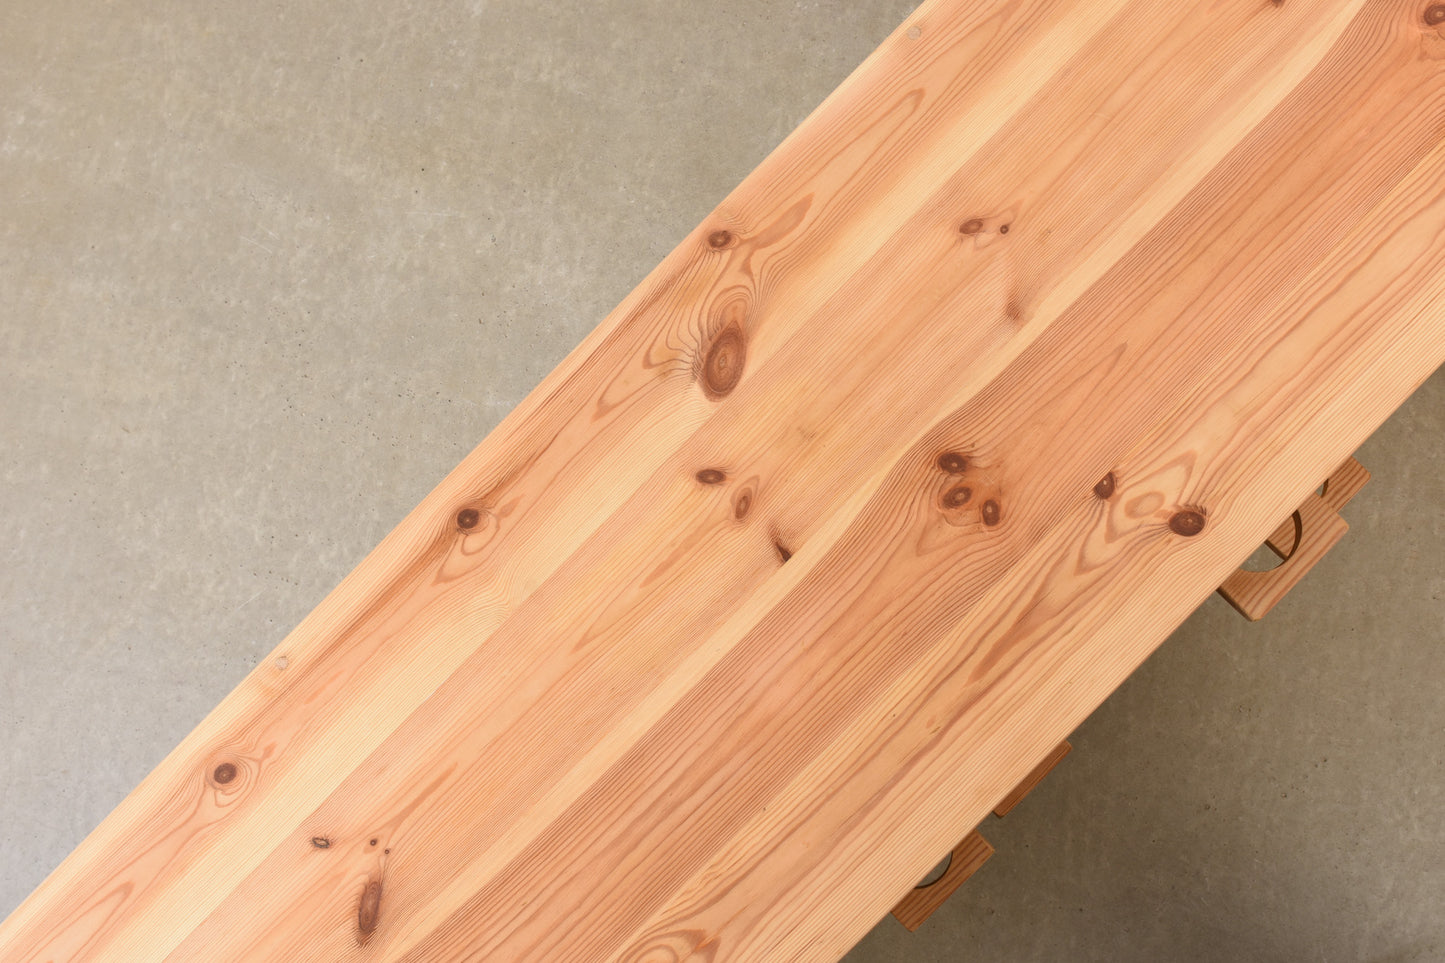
pixel 861 502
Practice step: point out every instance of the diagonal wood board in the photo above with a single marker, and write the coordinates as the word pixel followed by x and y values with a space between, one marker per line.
pixel 857 506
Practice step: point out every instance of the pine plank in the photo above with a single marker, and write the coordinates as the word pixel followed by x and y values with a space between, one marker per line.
pixel 862 501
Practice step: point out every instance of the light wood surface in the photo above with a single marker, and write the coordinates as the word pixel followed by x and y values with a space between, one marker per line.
pixel 890 473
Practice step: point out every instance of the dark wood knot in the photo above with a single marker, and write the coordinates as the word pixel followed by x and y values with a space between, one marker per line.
pixel 722 368
pixel 1105 488
pixel 953 462
pixel 711 476
pixel 1187 523
pixel 369 912
pixel 956 497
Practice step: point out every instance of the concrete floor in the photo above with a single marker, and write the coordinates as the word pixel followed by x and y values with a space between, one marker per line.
pixel 267 270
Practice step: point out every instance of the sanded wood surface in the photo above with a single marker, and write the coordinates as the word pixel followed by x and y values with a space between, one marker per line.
pixel 890 473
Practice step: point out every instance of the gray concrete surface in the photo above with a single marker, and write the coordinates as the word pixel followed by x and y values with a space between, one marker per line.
pixel 267 270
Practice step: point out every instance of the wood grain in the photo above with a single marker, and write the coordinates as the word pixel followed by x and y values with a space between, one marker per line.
pixel 862 501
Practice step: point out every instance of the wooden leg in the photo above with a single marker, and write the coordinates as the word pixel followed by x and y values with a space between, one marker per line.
pixel 970 854
pixel 965 860
pixel 1032 779
pixel 1301 541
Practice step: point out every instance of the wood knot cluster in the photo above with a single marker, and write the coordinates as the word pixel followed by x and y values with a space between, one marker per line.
pixel 975 226
pixel 965 487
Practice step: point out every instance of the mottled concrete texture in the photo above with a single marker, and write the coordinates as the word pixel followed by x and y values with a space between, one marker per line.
pixel 267 270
